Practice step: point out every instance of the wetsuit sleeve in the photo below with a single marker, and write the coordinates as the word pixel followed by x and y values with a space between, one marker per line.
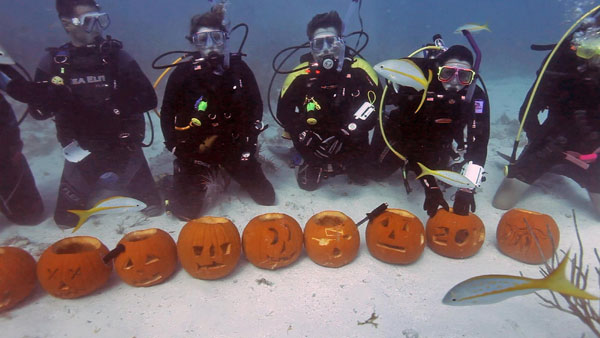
pixel 286 106
pixel 478 129
pixel 253 107
pixel 135 94
pixel 172 103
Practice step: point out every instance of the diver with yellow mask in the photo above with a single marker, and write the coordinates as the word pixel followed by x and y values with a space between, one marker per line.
pixel 567 142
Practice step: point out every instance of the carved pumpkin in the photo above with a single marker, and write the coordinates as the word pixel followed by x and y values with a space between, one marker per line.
pixel 515 239
pixel 331 239
pixel 17 276
pixel 396 236
pixel 74 267
pixel 272 241
pixel 209 247
pixel 455 236
pixel 149 258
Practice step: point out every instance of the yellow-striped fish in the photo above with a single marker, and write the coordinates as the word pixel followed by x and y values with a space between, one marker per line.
pixel 472 27
pixel 111 205
pixel 489 289
pixel 449 177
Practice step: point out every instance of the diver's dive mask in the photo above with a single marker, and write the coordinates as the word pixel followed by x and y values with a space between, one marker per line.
pixel 328 50
pixel 212 45
pixel 92 21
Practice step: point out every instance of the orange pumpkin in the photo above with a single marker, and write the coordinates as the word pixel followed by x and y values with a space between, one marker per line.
pixel 396 236
pixel 455 236
pixel 149 258
pixel 331 239
pixel 74 267
pixel 17 276
pixel 272 241
pixel 515 239
pixel 209 247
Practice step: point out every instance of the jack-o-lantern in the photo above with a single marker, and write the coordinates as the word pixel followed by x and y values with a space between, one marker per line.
pixel 149 257
pixel 455 236
pixel 272 241
pixel 396 236
pixel 17 276
pixel 209 247
pixel 74 267
pixel 516 240
pixel 331 239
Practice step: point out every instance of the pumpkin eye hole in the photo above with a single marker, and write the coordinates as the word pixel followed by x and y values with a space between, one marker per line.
pixel 198 250
pixel 151 259
pixel 406 228
pixel 461 236
pixel 226 248
pixel 283 248
pixel 385 223
pixel 275 236
pixel 337 252
pixel 128 265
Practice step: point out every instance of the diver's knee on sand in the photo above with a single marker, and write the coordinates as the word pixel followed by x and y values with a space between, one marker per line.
pixel 595 199
pixel 509 192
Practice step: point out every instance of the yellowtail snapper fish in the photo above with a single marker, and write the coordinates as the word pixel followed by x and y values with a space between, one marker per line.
pixel 489 289
pixel 402 72
pixel 472 27
pixel 111 205
pixel 449 177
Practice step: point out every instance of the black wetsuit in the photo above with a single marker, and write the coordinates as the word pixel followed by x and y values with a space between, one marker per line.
pixel 209 121
pixel 569 90
pixel 20 200
pixel 319 108
pixel 427 136
pixel 97 97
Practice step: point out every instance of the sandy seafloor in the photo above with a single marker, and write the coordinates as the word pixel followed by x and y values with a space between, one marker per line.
pixel 305 299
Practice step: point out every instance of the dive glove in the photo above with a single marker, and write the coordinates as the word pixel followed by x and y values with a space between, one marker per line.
pixel 434 199
pixel 463 201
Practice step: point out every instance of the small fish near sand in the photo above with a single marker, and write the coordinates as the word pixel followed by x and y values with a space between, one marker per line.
pixel 449 177
pixel 489 289
pixel 111 205
pixel 472 27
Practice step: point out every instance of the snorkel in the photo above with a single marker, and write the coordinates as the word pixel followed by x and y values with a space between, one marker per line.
pixel 221 5
pixel 352 8
pixel 472 86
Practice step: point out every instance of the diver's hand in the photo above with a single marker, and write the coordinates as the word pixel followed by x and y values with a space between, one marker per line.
pixel 463 201
pixel 309 139
pixel 329 147
pixel 434 199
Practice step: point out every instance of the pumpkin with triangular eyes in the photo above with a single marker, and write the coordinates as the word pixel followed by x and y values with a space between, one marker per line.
pixel 396 236
pixel 272 241
pixel 455 236
pixel 74 267
pixel 331 239
pixel 17 276
pixel 149 257
pixel 209 247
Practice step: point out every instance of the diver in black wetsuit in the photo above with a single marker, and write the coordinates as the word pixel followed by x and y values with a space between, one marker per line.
pixel 211 117
pixel 427 136
pixel 328 107
pixel 97 94
pixel 568 141
pixel 20 200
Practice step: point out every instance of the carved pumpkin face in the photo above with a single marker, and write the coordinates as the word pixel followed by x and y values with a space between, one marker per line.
pixel 515 239
pixel 396 236
pixel 455 236
pixel 331 239
pixel 209 247
pixel 73 267
pixel 17 276
pixel 149 258
pixel 272 241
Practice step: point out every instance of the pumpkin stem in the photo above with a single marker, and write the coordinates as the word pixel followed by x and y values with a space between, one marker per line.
pixel 114 253
pixel 376 212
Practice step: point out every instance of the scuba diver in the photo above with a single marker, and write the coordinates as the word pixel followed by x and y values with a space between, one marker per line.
pixel 327 106
pixel 20 200
pixel 568 141
pixel 97 94
pixel 423 128
pixel 211 118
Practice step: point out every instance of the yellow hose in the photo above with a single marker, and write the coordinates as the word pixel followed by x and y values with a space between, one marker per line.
pixel 162 75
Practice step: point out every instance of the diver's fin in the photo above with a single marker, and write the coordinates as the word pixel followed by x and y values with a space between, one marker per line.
pixel 557 282
pixel 5 59
pixel 83 216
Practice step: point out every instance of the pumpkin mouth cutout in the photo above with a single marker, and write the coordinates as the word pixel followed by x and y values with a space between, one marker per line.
pixel 212 266
pixel 70 246
pixel 150 281
pixel 140 235
pixel 397 248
